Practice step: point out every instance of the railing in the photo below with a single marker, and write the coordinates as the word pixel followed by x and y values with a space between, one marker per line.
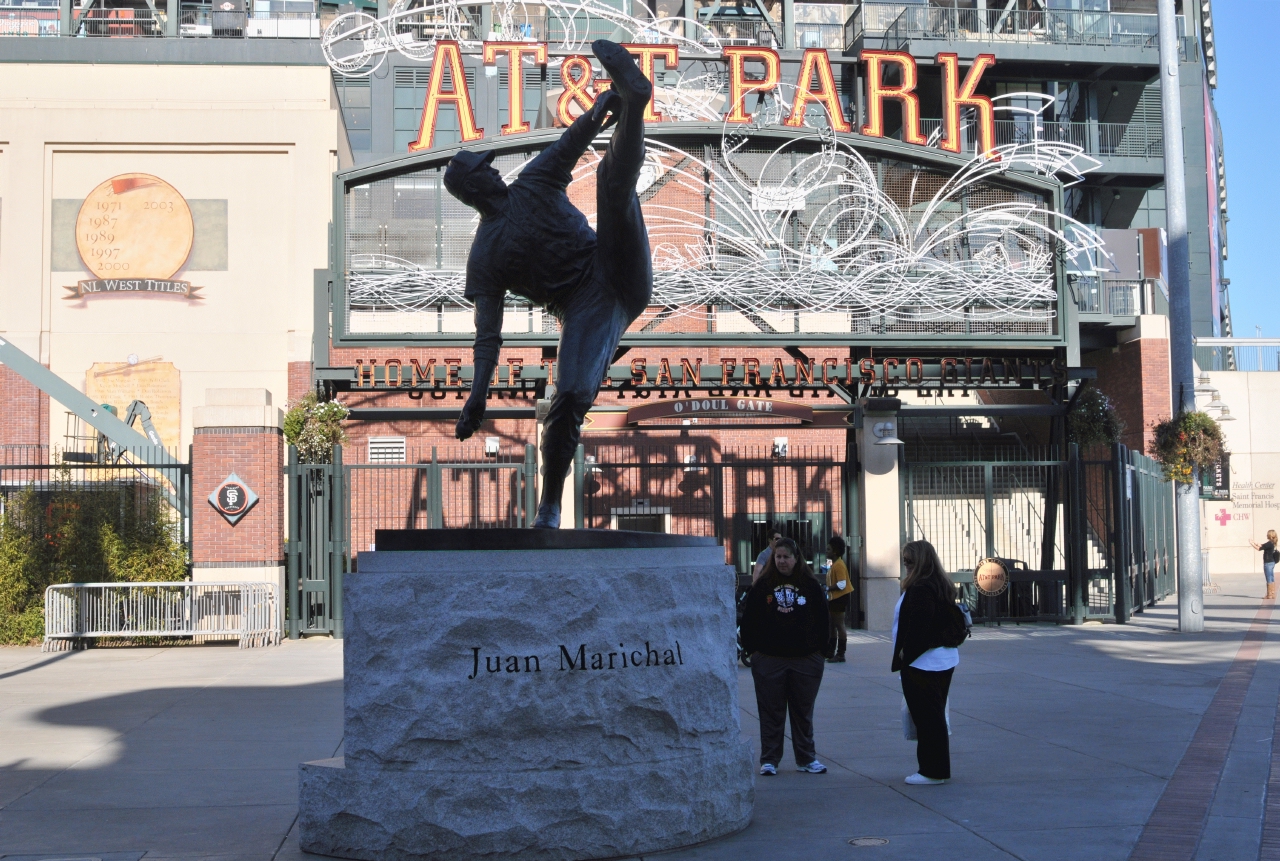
pixel 75 612
pixel 1140 140
pixel 1101 296
pixel 1127 140
pixel 819 36
pixel 28 22
pixel 899 23
pixel 194 22
pixel 121 23
pixel 1238 354
pixel 748 32
pixel 282 25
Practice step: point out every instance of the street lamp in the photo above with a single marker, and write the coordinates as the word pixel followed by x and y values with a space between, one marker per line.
pixel 886 433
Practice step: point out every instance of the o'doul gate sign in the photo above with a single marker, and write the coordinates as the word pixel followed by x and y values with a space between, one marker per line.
pixel 720 407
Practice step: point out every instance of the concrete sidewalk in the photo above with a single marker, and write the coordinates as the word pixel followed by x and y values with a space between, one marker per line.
pixel 1064 739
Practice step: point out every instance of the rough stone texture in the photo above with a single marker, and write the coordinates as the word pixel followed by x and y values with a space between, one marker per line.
pixel 538 759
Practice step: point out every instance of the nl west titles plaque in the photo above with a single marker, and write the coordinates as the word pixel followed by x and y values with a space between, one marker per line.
pixel 134 232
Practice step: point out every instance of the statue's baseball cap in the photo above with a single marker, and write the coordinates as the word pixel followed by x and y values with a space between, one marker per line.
pixel 464 163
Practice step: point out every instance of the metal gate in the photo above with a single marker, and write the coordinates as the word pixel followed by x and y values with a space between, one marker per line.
pixel 317 547
pixel 1088 537
pixel 1144 534
pixel 734 495
pixel 335 509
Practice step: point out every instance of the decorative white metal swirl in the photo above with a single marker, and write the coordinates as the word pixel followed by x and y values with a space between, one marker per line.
pixel 809 227
pixel 356 44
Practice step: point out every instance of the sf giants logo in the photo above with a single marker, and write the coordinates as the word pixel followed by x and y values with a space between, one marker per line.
pixel 233 498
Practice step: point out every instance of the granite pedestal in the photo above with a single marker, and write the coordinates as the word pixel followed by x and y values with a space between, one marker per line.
pixel 561 703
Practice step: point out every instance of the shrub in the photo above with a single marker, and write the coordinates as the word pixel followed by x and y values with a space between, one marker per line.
pixel 22 629
pixel 111 531
pixel 1186 442
pixel 315 427
pixel 1093 420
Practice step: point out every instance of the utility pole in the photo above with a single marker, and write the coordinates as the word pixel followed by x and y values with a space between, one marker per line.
pixel 1181 370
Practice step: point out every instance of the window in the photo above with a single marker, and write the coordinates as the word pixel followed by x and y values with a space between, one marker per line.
pixel 354 94
pixel 386 449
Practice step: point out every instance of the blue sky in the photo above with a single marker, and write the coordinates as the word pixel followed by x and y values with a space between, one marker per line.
pixel 1248 102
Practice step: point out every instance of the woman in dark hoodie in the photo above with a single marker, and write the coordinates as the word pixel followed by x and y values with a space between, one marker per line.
pixel 785 629
pixel 924 663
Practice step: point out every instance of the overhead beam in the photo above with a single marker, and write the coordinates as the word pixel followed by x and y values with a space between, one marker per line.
pixel 84 408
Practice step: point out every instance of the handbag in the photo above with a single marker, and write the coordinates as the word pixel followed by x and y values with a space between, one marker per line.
pixel 909 726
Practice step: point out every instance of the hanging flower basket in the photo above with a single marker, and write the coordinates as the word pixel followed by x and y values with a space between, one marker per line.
pixel 1185 443
pixel 1093 420
pixel 315 427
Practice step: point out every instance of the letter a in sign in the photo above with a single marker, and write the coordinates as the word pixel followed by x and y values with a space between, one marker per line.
pixel 448 57
pixel 816 61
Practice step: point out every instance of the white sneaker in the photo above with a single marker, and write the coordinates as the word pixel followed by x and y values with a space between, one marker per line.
pixel 768 769
pixel 814 767
pixel 918 779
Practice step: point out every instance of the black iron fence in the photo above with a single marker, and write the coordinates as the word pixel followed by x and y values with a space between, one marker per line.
pixel 1085 537
pixel 96 522
pixel 336 508
pixel 735 495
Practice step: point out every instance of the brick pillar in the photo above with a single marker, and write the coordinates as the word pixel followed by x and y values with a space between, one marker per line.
pixel 25 419
pixel 300 380
pixel 1135 376
pixel 239 432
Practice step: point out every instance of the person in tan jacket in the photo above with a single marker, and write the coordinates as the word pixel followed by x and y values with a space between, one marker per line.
pixel 839 588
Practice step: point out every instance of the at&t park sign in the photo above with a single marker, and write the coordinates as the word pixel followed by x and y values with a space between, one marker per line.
pixel 750 70
pixel 778 213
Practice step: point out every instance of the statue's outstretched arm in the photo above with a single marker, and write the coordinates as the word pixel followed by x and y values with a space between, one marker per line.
pixel 488 318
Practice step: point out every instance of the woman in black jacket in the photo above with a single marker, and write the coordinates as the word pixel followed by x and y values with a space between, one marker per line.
pixel 785 629
pixel 924 663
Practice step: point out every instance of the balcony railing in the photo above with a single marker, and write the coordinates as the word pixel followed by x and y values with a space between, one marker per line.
pixel 1130 140
pixel 1238 354
pixel 744 32
pixel 195 22
pixel 1113 298
pixel 28 22
pixel 819 36
pixel 121 23
pixel 899 23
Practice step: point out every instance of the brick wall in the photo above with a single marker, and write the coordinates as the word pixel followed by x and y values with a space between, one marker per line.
pixel 256 455
pixel 300 374
pixel 1136 379
pixel 25 418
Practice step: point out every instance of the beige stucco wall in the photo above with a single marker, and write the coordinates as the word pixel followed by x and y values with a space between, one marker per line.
pixel 1254 442
pixel 263 138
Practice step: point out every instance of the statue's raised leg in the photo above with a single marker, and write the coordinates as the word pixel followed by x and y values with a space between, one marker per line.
pixel 596 318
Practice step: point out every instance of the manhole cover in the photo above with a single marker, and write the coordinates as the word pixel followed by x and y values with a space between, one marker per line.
pixel 869 841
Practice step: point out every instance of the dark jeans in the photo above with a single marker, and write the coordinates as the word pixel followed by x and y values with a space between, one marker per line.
pixel 594 318
pixel 926 695
pixel 786 685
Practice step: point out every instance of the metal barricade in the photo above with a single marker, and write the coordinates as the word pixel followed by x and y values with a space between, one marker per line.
pixel 75 612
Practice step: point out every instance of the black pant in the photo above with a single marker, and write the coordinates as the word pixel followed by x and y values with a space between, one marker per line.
pixel 786 685
pixel 926 695
pixel 839 608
